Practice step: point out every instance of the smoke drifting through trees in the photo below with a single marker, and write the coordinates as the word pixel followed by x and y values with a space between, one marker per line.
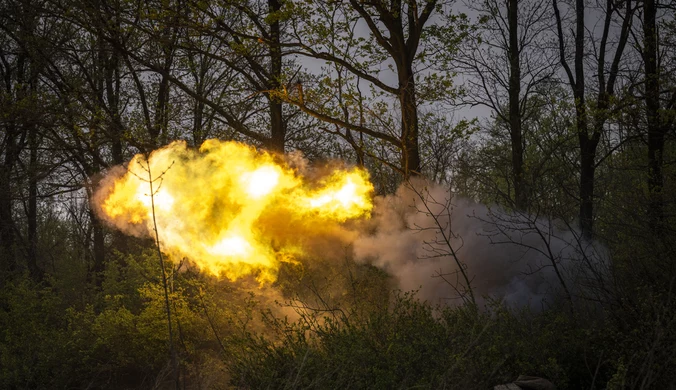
pixel 426 238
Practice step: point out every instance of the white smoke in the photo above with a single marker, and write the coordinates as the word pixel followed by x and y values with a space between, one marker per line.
pixel 434 242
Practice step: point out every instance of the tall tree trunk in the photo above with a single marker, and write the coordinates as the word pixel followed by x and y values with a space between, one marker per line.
pixel 587 149
pixel 7 235
pixel 112 63
pixel 98 250
pixel 198 122
pixel 112 85
pixel 98 253
pixel 277 125
pixel 656 130
pixel 32 216
pixel 159 130
pixel 411 163
pixel 587 175
pixel 515 132
pixel 168 39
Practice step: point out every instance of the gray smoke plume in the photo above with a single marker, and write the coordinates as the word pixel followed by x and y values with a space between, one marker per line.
pixel 451 248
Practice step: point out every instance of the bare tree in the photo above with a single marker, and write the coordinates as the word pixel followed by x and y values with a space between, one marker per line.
pixel 504 65
pixel 592 112
pixel 658 121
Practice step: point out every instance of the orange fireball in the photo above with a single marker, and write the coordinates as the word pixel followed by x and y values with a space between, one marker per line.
pixel 209 203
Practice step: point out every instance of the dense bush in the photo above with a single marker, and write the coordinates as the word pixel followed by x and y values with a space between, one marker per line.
pixel 410 344
pixel 229 336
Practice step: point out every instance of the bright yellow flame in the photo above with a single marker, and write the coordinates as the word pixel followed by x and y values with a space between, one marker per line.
pixel 261 181
pixel 231 246
pixel 163 201
pixel 229 208
pixel 347 196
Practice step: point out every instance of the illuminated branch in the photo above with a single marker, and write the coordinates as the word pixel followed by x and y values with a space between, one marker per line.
pixel 153 191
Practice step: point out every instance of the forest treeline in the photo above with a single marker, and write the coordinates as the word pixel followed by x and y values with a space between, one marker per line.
pixel 576 104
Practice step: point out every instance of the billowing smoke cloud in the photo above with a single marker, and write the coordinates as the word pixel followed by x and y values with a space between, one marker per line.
pixel 438 243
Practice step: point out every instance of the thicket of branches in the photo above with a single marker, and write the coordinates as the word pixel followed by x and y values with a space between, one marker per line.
pixel 576 104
